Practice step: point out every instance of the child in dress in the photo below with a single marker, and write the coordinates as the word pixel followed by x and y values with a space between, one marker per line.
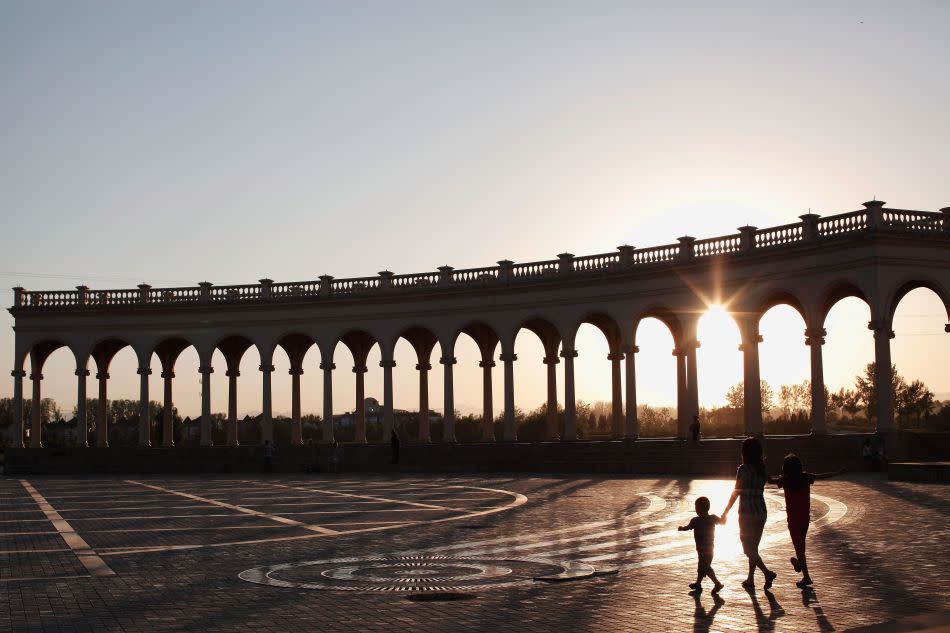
pixel 796 483
pixel 703 526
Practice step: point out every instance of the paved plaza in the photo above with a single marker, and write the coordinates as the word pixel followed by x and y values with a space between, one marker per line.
pixel 494 553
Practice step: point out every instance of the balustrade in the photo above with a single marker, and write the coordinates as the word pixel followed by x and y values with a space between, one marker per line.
pixel 779 235
pixel 590 263
pixel 842 223
pixel 716 246
pixel 535 269
pixel 912 220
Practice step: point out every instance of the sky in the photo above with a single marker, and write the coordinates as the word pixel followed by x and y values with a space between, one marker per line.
pixel 178 142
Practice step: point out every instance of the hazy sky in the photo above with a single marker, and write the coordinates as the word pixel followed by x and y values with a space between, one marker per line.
pixel 175 142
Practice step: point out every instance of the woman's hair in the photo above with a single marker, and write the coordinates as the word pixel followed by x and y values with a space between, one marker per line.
pixel 793 473
pixel 752 454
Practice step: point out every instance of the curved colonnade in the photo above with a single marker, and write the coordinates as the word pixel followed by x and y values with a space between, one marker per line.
pixel 876 254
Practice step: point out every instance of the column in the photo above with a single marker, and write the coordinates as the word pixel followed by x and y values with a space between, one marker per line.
pixel 296 426
pixel 327 400
pixel 360 371
pixel 488 412
pixel 616 422
pixel 448 415
pixel 18 376
pixel 145 424
pixel 168 410
pixel 36 418
pixel 551 431
pixel 424 435
pixel 388 415
pixel 752 382
pixel 814 339
pixel 102 416
pixel 207 438
pixel 82 420
pixel 883 377
pixel 630 352
pixel 692 381
pixel 267 405
pixel 682 399
pixel 511 432
pixel 570 403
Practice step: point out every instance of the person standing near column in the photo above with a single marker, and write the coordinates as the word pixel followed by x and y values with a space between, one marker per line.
pixel 394 444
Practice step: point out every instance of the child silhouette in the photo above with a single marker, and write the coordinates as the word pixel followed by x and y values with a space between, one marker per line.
pixel 703 526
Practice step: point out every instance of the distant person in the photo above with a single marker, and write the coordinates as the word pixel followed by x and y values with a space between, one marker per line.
pixel 694 429
pixel 703 526
pixel 879 452
pixel 336 457
pixel 867 454
pixel 394 444
pixel 750 490
pixel 796 483
pixel 268 456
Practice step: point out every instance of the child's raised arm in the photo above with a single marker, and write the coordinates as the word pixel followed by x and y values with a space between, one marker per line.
pixel 830 475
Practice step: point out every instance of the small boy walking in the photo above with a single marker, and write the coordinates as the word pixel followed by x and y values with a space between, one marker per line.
pixel 703 526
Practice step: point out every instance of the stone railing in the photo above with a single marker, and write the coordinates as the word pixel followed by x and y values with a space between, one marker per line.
pixel 812 228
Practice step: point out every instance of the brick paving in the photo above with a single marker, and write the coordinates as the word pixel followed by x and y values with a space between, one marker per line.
pixel 878 553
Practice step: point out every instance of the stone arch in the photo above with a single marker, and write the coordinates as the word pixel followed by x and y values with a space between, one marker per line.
pixel 664 315
pixel 781 297
pixel 837 291
pixel 913 284
pixel 606 324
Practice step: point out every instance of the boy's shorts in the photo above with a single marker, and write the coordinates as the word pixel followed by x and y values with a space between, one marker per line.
pixel 705 562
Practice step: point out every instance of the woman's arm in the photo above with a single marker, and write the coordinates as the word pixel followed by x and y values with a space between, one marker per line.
pixel 732 500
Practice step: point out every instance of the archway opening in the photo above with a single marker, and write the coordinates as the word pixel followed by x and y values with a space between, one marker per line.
pixel 784 365
pixel 656 379
pixel 847 357
pixel 720 375
pixel 593 386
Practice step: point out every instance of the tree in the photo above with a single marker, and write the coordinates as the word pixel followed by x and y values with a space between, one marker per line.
pixel 909 399
pixel 735 397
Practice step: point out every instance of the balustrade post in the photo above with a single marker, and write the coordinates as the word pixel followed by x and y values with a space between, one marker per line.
pixel 570 402
pixel 626 256
pixel 204 295
pixel 18 293
pixel 686 248
pixel 267 288
pixel 326 285
pixel 565 263
pixel 809 226
pixel 18 376
pixel 327 400
pixel 630 353
pixel 360 371
pixel 82 424
pixel 82 294
pixel 145 423
pixel 448 415
pixel 488 413
pixel 506 269
pixel 946 219
pixel 267 404
pixel 102 415
pixel 206 439
pixel 168 416
pixel 883 376
pixel 875 209
pixel 511 431
pixel 386 279
pixel 445 275
pixel 388 414
pixel 814 339
pixel 551 430
pixel 747 238
pixel 36 418
pixel 144 292
pixel 616 399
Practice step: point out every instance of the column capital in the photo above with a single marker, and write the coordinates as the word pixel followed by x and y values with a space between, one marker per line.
pixel 82 372
pixel 491 363
pixel 617 356
pixel 266 368
pixel 327 366
pixel 18 373
pixel 551 360
pixel 206 369
pixel 815 336
pixel 102 375
pixel 448 360
pixel 568 353
pixel 144 371
pixel 507 357
pixel 880 330
pixel 359 369
pixel 679 351
pixel 295 371
pixel 168 374
pixel 630 349
pixel 36 376
pixel 695 344
pixel 423 366
pixel 387 363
